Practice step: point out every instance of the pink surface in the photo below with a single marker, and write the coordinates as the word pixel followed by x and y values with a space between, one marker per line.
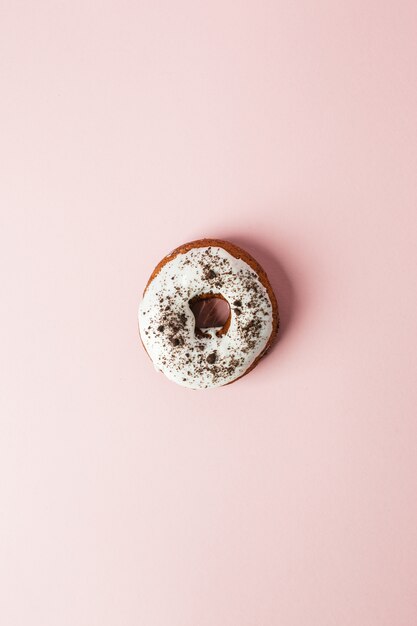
pixel 288 498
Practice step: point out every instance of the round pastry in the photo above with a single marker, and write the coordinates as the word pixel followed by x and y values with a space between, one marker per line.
pixel 207 357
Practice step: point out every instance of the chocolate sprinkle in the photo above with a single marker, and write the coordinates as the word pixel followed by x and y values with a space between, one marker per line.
pixel 212 358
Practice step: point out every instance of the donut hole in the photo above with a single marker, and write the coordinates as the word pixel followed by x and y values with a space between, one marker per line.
pixel 210 311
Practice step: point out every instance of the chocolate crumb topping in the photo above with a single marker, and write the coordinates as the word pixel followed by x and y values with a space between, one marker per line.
pixel 177 341
pixel 212 358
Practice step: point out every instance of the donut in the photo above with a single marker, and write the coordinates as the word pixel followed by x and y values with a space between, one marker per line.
pixel 208 357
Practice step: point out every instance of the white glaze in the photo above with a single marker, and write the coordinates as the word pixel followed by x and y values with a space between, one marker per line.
pixel 185 277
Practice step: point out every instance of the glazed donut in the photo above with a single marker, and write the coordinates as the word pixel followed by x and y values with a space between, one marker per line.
pixel 208 357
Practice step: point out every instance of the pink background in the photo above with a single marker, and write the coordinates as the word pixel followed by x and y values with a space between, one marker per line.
pixel 128 128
